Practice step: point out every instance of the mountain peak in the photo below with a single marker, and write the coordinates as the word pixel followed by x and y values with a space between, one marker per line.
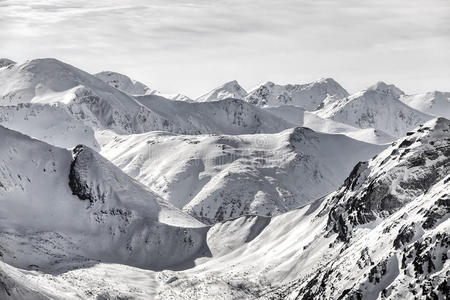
pixel 268 84
pixel 123 83
pixel 310 96
pixel 232 84
pixel 386 89
pixel 231 89
pixel 327 80
pixel 46 61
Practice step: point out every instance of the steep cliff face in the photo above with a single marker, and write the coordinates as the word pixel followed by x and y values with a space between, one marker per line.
pixel 396 176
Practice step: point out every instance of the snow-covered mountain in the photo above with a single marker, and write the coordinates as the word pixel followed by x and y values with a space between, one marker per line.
pixel 433 103
pixel 383 234
pixel 61 209
pixel 88 98
pixel 111 191
pixel 229 116
pixel 292 114
pixel 299 117
pixel 377 107
pixel 310 96
pixel 368 135
pixel 230 89
pixel 134 87
pixel 124 83
pixel 101 106
pixel 216 177
pixel 53 124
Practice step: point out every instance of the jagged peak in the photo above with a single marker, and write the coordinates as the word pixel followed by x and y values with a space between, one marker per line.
pixel 324 81
pixel 380 187
pixel 230 89
pixel 233 84
pixel 383 88
pixel 435 130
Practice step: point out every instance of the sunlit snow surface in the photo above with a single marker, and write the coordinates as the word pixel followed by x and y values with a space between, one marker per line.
pixel 219 198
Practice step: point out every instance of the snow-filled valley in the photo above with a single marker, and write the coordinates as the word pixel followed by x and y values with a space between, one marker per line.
pixel 110 189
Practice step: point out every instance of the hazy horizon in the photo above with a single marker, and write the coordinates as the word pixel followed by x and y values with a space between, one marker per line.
pixel 193 46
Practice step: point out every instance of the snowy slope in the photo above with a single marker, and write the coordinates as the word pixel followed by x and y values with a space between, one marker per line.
pixel 229 116
pixel 133 87
pixel 391 241
pixel 297 251
pixel 52 124
pixel 220 177
pixel 433 103
pixel 101 106
pixel 384 233
pixel 61 210
pixel 88 98
pixel 124 83
pixel 310 96
pixel 230 89
pixel 175 97
pixel 131 222
pixel 368 135
pixel 377 107
pixel 298 116
pixel 292 114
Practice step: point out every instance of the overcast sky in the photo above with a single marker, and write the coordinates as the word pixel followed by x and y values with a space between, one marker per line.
pixel 193 46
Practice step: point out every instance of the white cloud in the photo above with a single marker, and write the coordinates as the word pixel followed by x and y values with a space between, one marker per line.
pixel 192 46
